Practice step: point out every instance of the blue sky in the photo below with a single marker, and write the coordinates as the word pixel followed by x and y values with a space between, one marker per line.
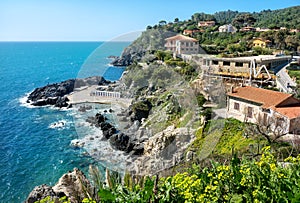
pixel 97 20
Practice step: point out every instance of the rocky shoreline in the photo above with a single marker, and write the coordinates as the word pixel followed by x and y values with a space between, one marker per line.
pixel 56 94
pixel 152 109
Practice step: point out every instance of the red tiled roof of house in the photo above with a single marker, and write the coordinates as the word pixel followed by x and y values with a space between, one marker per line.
pixel 267 98
pixel 290 112
pixel 181 38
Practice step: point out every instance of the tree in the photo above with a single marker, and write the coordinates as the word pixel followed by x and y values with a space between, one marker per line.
pixel 162 22
pixel 291 42
pixel 160 54
pixel 270 128
pixel 243 19
pixel 279 39
pixel 176 20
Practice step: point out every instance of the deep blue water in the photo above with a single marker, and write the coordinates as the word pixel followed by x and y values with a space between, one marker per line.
pixel 31 152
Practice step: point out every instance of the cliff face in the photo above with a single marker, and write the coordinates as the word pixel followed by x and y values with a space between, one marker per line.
pixel 74 185
pixel 150 40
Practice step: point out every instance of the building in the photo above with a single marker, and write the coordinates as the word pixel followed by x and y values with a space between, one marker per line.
pixel 243 64
pixel 259 42
pixel 248 29
pixel 210 23
pixel 228 28
pixel 192 32
pixel 181 44
pixel 258 29
pixel 262 106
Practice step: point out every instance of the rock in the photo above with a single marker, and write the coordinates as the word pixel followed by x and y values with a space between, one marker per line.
pixel 120 141
pixel 62 102
pixel 40 192
pixel 107 129
pixel 40 102
pixel 127 57
pixel 55 94
pixel 74 185
pixel 168 142
pixel 100 118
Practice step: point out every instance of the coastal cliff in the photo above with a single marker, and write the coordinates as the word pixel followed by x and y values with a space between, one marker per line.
pixel 73 185
pixel 149 41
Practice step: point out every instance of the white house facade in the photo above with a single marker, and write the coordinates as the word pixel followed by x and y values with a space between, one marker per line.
pixel 257 105
pixel 181 44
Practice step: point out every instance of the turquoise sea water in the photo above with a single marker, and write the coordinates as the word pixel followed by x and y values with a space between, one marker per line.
pixel 32 153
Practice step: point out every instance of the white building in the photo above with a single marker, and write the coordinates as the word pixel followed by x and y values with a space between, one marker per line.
pixel 257 105
pixel 227 28
pixel 181 44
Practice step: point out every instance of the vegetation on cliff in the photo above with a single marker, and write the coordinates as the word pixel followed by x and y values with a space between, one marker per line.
pixel 240 180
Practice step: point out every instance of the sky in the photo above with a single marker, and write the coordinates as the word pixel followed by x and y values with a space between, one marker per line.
pixel 98 20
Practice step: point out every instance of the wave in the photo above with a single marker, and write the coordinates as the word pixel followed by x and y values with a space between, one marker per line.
pixel 23 101
pixel 61 124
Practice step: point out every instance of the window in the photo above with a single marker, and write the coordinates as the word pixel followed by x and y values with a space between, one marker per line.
pixel 238 64
pixel 236 106
pixel 226 63
pixel 249 112
pixel 215 62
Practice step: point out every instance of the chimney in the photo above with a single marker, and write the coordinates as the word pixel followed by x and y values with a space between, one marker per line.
pixel 232 89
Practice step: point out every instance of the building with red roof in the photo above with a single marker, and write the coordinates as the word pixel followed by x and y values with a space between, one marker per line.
pixel 257 105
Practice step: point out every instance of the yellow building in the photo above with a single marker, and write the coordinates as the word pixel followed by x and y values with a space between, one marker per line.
pixel 258 42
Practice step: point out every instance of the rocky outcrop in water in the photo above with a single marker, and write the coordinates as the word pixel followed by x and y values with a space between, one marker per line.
pixel 126 141
pixel 55 94
pixel 74 185
pixel 127 57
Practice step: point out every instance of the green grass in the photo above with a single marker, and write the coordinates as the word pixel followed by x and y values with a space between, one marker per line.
pixel 295 73
pixel 219 137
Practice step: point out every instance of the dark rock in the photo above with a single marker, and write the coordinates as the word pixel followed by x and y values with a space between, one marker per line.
pixel 138 149
pixel 100 118
pixel 119 141
pixel 62 102
pixel 40 102
pixel 39 193
pixel 127 57
pixel 54 94
pixel 107 129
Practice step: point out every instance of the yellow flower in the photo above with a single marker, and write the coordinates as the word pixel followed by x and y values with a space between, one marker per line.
pixel 209 174
pixel 281 175
pixel 243 181
pixel 216 182
pixel 256 201
pixel 255 192
pixel 220 175
pixel 214 188
pixel 273 167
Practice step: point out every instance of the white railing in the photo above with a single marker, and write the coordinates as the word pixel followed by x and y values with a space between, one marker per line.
pixel 106 94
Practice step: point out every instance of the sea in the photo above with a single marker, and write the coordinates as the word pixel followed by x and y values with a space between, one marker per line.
pixel 34 148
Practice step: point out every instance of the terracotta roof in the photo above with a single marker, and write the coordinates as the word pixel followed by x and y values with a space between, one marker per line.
pixel 290 112
pixel 182 38
pixel 261 39
pixel 267 98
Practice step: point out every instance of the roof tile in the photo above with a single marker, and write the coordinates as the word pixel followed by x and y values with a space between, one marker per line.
pixel 267 98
